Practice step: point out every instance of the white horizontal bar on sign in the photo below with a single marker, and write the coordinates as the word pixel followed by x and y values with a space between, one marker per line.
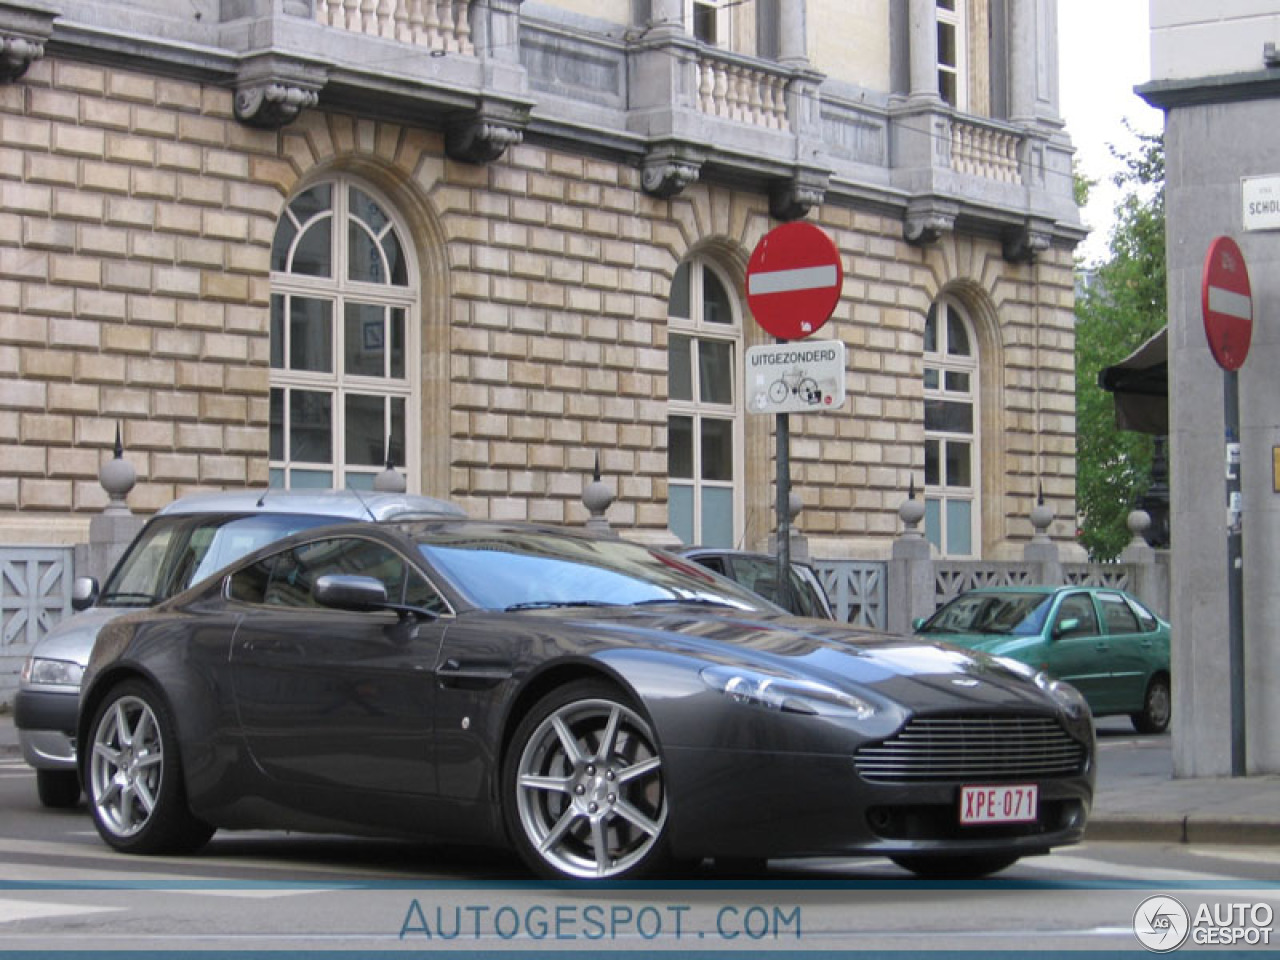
pixel 784 281
pixel 1230 303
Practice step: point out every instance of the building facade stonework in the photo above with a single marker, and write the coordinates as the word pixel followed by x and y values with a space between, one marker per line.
pixel 545 218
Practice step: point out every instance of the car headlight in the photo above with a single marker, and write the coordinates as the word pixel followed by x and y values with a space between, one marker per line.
pixel 786 694
pixel 53 673
pixel 1071 699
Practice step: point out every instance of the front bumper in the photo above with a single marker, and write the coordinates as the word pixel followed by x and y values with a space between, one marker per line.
pixel 46 723
pixel 775 805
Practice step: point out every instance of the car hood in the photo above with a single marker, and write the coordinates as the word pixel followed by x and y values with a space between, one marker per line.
pixel 984 642
pixel 898 668
pixel 72 639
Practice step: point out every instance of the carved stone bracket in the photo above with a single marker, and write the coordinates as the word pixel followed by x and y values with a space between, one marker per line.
pixel 25 27
pixel 16 55
pixel 793 199
pixel 668 170
pixel 272 90
pixel 926 222
pixel 1024 243
pixel 485 134
pixel 272 105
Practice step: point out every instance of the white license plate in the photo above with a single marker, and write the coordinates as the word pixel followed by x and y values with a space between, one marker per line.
pixel 1017 803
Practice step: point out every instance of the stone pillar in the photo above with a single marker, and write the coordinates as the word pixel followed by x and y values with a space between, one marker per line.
pixel 390 480
pixel 668 14
pixel 911 583
pixel 1041 550
pixel 113 529
pixel 793 39
pixel 923 26
pixel 1151 577
pixel 1033 64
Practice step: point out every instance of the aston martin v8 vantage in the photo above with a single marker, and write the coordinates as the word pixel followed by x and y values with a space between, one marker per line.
pixel 610 710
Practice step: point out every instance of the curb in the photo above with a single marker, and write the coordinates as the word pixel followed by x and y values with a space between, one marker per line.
pixel 1229 831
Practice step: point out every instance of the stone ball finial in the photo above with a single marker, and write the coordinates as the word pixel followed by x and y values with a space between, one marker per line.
pixel 1041 517
pixel 390 480
pixel 1138 522
pixel 795 504
pixel 911 512
pixel 597 497
pixel 117 477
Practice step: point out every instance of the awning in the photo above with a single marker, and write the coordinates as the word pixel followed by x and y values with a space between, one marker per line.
pixel 1140 383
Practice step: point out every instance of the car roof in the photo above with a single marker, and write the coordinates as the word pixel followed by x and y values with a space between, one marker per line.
pixel 339 504
pixel 694 552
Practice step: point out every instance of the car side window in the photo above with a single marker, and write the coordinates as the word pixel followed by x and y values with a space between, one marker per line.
pixel 1147 621
pixel 286 579
pixel 1119 616
pixel 1079 607
pixel 757 576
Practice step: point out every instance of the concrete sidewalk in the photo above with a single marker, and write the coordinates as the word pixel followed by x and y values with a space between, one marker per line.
pixel 1137 799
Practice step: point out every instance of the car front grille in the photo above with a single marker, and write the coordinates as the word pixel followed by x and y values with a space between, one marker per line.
pixel 973 749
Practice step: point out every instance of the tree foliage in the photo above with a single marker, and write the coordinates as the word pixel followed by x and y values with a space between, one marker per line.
pixel 1122 306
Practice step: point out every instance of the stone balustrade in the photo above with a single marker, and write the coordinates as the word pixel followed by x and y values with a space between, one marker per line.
pixel 442 25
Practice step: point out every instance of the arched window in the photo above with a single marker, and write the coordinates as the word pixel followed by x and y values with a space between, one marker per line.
pixel 344 316
pixel 951 438
pixel 704 421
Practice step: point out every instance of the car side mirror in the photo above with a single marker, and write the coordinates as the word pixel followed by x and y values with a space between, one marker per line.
pixel 1063 627
pixel 918 622
pixel 84 593
pixel 347 592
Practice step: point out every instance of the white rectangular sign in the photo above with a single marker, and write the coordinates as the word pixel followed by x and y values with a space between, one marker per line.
pixel 802 376
pixel 1261 197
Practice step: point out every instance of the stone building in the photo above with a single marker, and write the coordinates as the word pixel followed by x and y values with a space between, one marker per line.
pixel 273 240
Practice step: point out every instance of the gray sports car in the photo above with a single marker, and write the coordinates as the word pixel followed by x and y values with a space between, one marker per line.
pixel 608 709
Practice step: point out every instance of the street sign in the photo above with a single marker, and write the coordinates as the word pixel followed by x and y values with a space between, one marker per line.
pixel 1227 302
pixel 1260 202
pixel 794 280
pixel 796 377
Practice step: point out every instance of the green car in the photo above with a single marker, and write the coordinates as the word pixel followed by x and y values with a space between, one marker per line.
pixel 1100 640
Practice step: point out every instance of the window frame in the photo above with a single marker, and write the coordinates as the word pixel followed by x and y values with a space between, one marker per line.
pixel 942 492
pixel 699 330
pixel 954 18
pixel 341 292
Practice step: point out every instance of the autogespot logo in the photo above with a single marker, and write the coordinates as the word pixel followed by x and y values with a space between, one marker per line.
pixel 1161 924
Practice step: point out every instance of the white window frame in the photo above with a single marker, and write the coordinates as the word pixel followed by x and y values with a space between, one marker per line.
pixel 955 20
pixel 697 328
pixel 939 495
pixel 338 289
pixel 722 10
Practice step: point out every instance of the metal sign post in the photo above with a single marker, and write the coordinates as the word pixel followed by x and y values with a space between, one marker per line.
pixel 1226 300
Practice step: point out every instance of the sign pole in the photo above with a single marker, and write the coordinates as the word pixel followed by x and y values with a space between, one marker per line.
pixel 784 507
pixel 1235 570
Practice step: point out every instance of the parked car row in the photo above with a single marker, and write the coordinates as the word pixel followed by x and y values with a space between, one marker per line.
pixel 384 665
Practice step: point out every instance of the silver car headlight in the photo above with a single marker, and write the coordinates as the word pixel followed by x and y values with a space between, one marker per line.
pixel 52 673
pixel 785 694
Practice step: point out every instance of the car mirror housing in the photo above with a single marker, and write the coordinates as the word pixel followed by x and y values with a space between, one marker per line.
pixel 347 592
pixel 84 593
pixel 1063 627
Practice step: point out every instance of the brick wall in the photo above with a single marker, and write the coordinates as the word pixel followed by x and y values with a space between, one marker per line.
pixel 136 217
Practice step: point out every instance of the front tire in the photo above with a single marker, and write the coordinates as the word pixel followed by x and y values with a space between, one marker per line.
pixel 1157 707
pixel 134 775
pixel 58 789
pixel 584 794
pixel 929 867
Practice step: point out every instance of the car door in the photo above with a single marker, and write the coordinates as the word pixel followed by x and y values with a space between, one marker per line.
pixel 1130 651
pixel 336 698
pixel 1078 651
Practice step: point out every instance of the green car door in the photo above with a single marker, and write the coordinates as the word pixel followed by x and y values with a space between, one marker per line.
pixel 1078 650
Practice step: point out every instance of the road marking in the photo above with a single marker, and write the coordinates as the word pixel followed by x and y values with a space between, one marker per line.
pixel 14 910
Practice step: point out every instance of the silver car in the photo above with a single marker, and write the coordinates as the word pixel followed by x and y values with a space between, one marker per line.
pixel 187 541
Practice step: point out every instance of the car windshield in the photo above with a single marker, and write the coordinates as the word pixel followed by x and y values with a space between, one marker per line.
pixel 1017 614
pixel 500 568
pixel 175 551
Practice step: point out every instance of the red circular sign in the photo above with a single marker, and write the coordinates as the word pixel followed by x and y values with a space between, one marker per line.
pixel 1227 301
pixel 794 280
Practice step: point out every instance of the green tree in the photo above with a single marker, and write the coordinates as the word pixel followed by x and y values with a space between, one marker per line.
pixel 1121 306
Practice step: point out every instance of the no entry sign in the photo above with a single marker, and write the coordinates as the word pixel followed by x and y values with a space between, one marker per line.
pixel 794 279
pixel 1227 301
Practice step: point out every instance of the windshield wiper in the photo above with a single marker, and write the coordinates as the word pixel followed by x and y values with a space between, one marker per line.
pixel 145 598
pixel 554 604
pixel 704 601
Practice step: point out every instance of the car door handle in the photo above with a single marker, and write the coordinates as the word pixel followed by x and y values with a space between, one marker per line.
pixel 453 673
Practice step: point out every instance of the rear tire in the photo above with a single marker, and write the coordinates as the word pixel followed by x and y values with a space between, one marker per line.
pixel 931 867
pixel 134 778
pixel 1157 707
pixel 58 789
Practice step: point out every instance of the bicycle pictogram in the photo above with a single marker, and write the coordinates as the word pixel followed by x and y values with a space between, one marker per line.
pixel 795 383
